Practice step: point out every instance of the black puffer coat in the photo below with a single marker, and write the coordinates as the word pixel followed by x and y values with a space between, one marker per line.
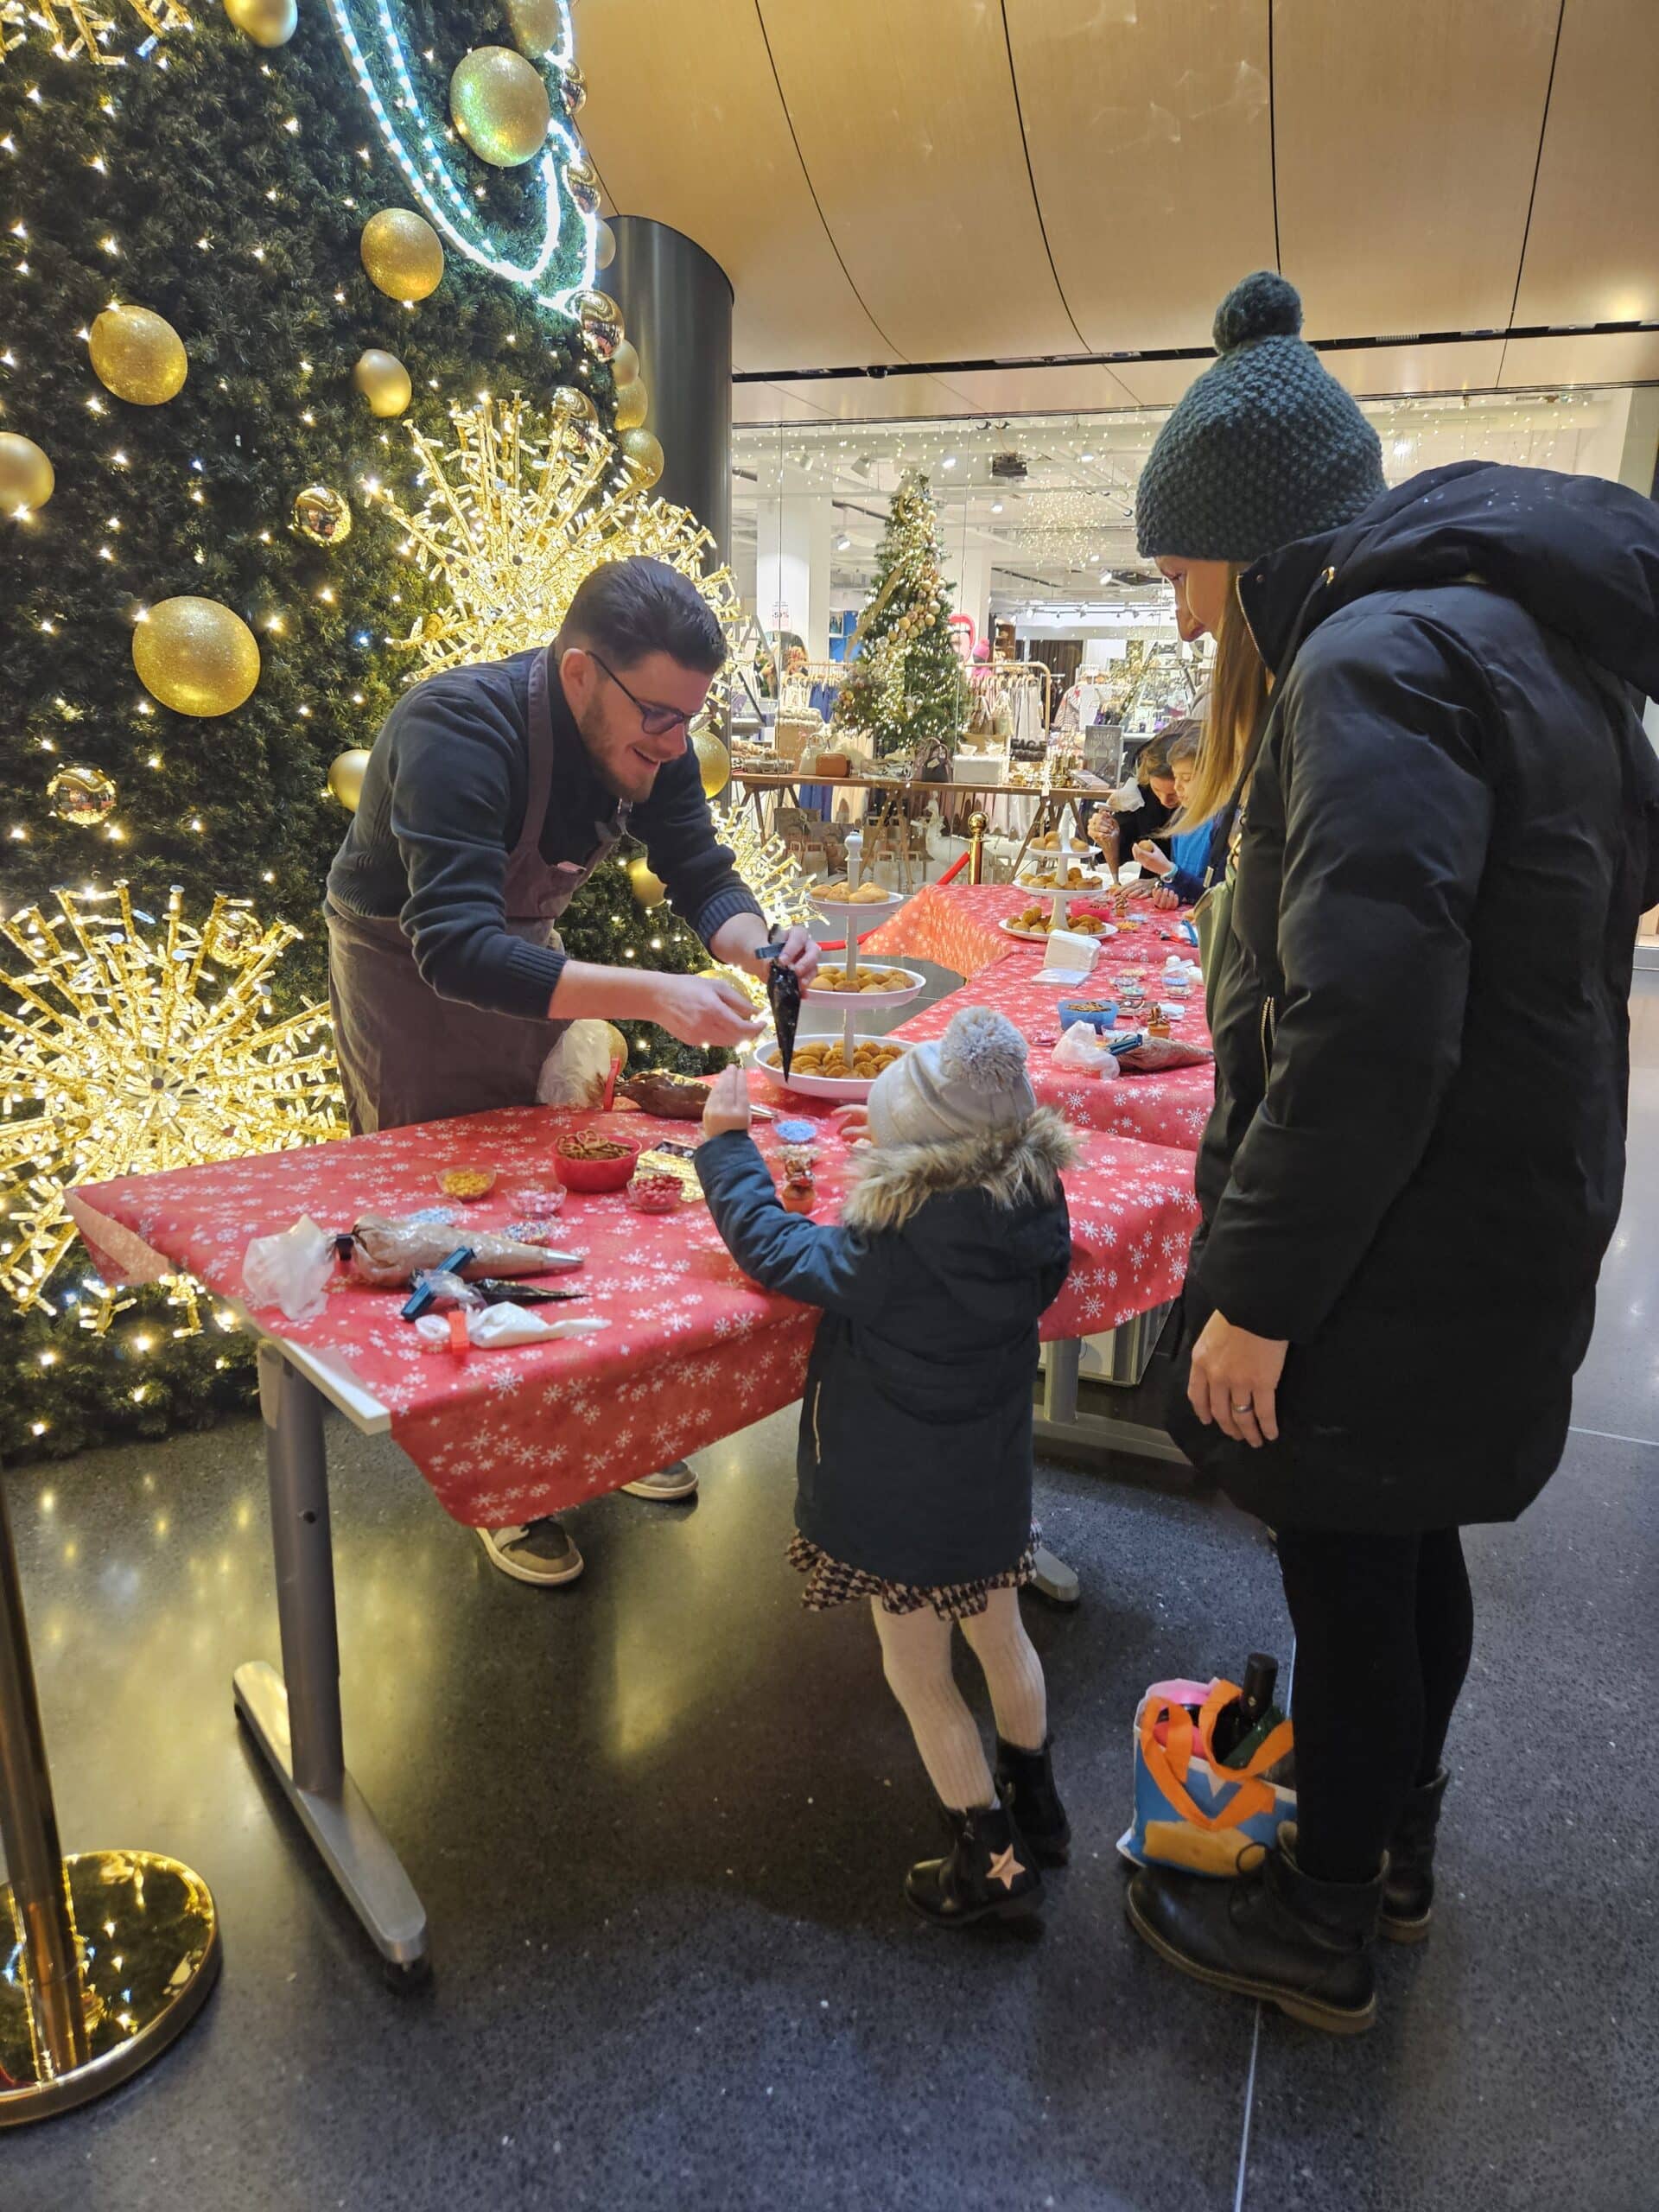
pixel 1417 1153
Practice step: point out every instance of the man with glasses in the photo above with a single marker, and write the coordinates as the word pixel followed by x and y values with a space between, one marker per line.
pixel 490 795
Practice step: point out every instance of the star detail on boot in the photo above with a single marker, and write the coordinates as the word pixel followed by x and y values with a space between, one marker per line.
pixel 1004 1867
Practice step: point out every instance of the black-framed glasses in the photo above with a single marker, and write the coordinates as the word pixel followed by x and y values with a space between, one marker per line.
pixel 654 722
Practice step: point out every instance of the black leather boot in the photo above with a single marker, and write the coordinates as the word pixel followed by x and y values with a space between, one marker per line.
pixel 1408 1885
pixel 1273 1933
pixel 990 1871
pixel 1025 1782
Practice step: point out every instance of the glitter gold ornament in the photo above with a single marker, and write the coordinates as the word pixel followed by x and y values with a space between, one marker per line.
pixel 534 26
pixel 604 245
pixel 499 104
pixel 322 515
pixel 601 322
pixel 384 382
pixel 403 254
pixel 127 1056
pixel 581 182
pixel 267 22
pixel 80 794
pixel 714 762
pixel 232 934
pixel 632 405
pixel 579 404
pixel 27 476
pixel 625 363
pixel 138 356
pixel 345 773
pixel 573 89
pixel 648 888
pixel 196 657
pixel 644 455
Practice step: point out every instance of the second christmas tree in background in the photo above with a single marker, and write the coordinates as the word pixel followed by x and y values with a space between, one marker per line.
pixel 906 693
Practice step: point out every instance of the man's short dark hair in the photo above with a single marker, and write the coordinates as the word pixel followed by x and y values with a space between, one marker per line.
pixel 625 609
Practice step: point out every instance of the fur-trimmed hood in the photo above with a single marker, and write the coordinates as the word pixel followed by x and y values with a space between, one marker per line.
pixel 1011 1168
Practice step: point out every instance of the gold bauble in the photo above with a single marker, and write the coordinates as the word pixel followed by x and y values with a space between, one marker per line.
pixel 345 773
pixel 80 794
pixel 579 405
pixel 632 405
pixel 604 245
pixel 501 107
pixel 649 889
pixel 138 356
pixel 714 762
pixel 625 363
pixel 235 932
pixel 573 89
pixel 322 515
pixel 533 25
pixel 384 382
pixel 617 1042
pixel 196 657
pixel 403 254
pixel 27 476
pixel 581 182
pixel 601 322
pixel 644 455
pixel 267 22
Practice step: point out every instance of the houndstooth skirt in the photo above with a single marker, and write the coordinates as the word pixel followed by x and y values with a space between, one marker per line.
pixel 830 1582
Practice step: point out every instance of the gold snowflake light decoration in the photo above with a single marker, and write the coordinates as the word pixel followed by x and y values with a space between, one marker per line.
pixel 70 28
pixel 139 1046
pixel 519 507
pixel 765 863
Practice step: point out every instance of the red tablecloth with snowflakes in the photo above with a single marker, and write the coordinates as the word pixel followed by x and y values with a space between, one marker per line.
pixel 957 927
pixel 694 1350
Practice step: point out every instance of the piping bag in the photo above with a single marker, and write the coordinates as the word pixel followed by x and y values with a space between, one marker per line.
pixel 784 996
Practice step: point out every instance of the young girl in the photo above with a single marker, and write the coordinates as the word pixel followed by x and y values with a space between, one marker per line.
pixel 914 1461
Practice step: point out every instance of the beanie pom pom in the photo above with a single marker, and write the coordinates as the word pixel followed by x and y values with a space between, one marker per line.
pixel 1262 305
pixel 983 1049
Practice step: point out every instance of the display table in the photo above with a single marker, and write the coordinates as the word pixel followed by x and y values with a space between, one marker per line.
pixel 694 1351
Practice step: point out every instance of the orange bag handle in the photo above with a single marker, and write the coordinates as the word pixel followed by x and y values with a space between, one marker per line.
pixel 1167 1765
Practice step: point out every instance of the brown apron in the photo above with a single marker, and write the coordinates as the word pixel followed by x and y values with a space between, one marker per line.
pixel 408 1055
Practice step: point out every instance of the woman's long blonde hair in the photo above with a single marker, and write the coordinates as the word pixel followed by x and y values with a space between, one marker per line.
pixel 1238 698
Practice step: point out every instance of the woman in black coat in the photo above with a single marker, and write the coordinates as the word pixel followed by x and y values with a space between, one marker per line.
pixel 1419 1002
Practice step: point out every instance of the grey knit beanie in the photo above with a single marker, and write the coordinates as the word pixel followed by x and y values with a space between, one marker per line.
pixel 1265 445
pixel 971 1083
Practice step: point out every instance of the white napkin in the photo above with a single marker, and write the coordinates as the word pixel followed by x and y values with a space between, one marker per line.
pixel 1069 959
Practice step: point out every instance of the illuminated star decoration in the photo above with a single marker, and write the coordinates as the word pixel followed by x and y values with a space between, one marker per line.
pixel 75 27
pixel 519 509
pixel 141 1047
pixel 564 261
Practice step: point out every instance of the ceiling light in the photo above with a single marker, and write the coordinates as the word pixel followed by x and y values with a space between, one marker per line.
pixel 1085 456
pixel 996 506
pixel 950 460
pixel 842 542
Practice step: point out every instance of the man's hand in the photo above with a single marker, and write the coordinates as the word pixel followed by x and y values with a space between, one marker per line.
pixel 1235 1381
pixel 728 1102
pixel 801 954
pixel 702 1010
pixel 735 941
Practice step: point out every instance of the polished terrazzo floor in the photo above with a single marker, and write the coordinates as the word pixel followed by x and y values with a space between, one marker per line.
pixel 660 1821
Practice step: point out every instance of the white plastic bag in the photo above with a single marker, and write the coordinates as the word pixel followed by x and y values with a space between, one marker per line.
pixel 496 1328
pixel 290 1270
pixel 1082 1050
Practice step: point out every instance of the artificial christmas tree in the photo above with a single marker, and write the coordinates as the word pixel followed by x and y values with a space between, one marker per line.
pixel 906 693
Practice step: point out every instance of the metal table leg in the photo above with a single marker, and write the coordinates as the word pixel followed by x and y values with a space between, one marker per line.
pixel 294 1716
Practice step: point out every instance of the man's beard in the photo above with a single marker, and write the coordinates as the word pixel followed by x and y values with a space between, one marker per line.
pixel 590 727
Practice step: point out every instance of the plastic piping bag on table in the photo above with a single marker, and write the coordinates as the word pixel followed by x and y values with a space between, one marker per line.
pixel 496 1328
pixel 291 1270
pixel 388 1254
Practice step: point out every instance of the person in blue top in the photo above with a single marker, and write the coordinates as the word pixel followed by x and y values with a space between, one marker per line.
pixel 1182 868
pixel 914 1464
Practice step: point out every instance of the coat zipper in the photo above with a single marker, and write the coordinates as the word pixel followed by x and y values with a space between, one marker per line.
pixel 1269 1018
pixel 818 1441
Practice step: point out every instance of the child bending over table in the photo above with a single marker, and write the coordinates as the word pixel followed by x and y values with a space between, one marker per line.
pixel 914 1465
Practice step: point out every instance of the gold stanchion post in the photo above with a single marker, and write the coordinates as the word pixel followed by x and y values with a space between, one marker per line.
pixel 976 834
pixel 104 1957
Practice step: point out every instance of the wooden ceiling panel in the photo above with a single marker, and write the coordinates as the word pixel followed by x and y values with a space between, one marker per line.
pixel 1387 371
pixel 774 403
pixel 1591 252
pixel 1070 387
pixel 1406 136
pixel 685 125
pixel 1595 357
pixel 1150 143
pixel 908 127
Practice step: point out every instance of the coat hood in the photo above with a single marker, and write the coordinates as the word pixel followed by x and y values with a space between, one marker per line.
pixel 1579 553
pixel 1024 1165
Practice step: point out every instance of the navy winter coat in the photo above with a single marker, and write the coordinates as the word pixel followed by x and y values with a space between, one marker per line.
pixel 1417 1152
pixel 914 1460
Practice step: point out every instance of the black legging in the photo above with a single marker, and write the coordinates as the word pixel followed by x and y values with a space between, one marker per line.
pixel 1384 1627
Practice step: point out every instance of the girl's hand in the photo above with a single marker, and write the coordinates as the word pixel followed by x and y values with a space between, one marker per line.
pixel 1163 899
pixel 1152 859
pixel 853 1123
pixel 728 1102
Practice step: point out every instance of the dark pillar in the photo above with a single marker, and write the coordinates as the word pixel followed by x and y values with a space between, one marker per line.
pixel 676 304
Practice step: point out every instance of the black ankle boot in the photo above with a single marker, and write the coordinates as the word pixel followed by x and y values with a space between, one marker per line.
pixel 1408 1884
pixel 991 1870
pixel 1025 1782
pixel 1273 1933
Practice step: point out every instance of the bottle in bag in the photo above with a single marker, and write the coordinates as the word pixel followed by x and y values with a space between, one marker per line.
pixel 1247 1718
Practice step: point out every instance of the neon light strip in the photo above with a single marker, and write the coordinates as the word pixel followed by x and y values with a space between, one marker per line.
pixel 458 222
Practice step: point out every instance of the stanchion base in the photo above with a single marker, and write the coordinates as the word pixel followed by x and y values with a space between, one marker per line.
pixel 147 1936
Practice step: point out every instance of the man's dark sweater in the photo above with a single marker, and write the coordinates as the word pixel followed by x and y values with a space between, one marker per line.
pixel 443 805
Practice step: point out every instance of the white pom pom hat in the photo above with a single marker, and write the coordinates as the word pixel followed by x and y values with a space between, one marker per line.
pixel 972 1083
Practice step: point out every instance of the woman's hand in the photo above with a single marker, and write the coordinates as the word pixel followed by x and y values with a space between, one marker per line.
pixel 1234 1381
pixel 1163 898
pixel 728 1102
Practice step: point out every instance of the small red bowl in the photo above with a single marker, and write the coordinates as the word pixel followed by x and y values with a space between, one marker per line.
pixel 597 1174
